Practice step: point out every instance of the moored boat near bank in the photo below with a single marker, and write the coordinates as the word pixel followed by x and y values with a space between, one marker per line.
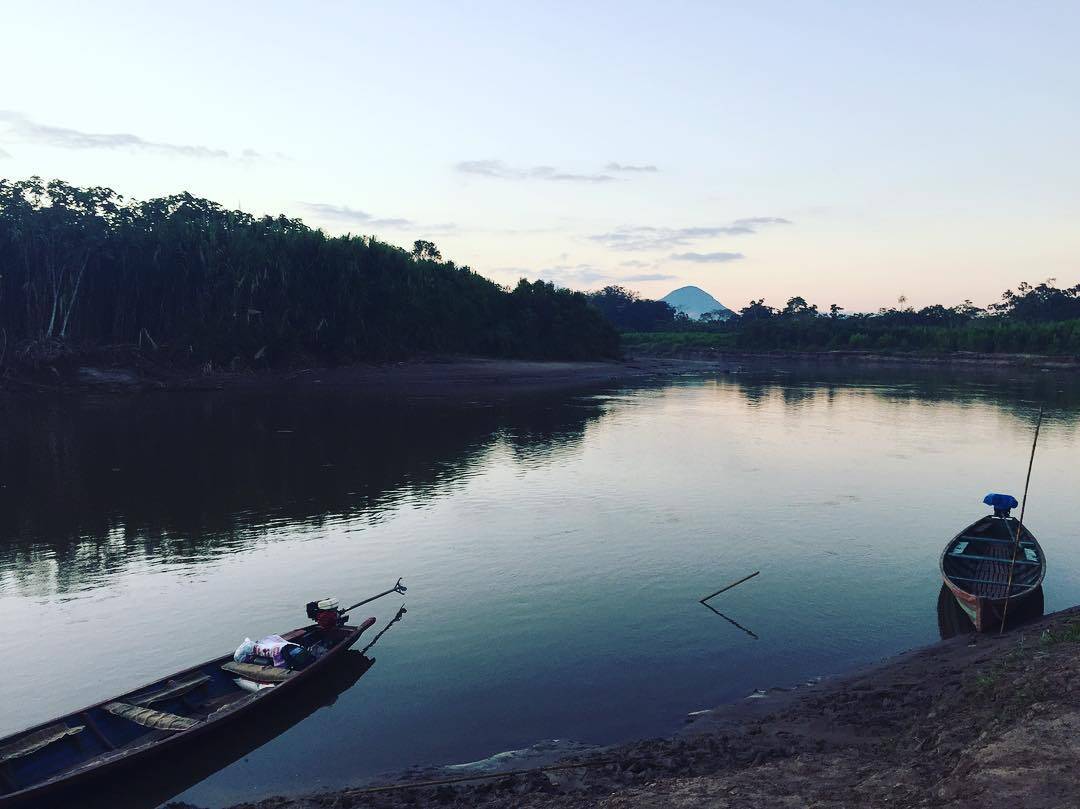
pixel 56 759
pixel 992 566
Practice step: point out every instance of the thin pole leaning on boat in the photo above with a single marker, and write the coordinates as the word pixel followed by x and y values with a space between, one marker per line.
pixel 1020 523
pixel 397 588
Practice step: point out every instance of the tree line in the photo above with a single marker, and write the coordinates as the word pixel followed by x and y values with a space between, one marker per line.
pixel 187 277
pixel 1039 318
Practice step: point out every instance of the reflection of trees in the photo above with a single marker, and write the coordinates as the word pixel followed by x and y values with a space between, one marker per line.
pixel 551 429
pixel 90 485
pixel 1016 393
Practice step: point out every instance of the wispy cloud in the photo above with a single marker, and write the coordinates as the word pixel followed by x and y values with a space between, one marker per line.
pixel 573 275
pixel 344 215
pixel 707 258
pixel 498 170
pixel 253 154
pixel 18 127
pixel 757 221
pixel 631 168
pixel 654 276
pixel 649 237
pixel 4 154
pixel 351 216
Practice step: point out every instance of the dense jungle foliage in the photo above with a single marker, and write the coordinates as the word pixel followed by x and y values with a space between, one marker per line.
pixel 179 274
pixel 1037 319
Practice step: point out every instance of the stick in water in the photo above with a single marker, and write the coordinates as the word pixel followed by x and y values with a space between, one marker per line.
pixel 725 589
pixel 1020 524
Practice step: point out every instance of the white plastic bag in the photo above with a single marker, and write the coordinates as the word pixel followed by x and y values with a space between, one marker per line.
pixel 245 651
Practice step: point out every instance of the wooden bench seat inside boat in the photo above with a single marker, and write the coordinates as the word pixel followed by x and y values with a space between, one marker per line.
pixel 149 718
pixel 259 674
pixel 32 742
pixel 172 690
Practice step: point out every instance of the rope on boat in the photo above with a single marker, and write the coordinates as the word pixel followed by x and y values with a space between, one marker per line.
pixel 479 777
pixel 1020 524
pixel 385 629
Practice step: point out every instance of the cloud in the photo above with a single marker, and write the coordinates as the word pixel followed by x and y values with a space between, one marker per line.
pixel 576 274
pixel 4 154
pixel 655 276
pixel 629 168
pixel 758 221
pixel 21 128
pixel 648 237
pixel 581 275
pixel 707 258
pixel 253 155
pixel 344 215
pixel 498 170
pixel 353 216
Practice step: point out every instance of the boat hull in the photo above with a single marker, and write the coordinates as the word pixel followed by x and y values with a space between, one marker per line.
pixel 986 613
pixel 61 789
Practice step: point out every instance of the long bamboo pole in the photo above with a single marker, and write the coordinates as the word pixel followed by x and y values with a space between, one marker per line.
pixel 1020 524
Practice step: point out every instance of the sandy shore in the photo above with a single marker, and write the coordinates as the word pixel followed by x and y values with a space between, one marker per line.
pixel 976 721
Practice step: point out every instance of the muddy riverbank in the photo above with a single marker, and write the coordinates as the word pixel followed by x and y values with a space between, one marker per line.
pixel 130 370
pixel 435 377
pixel 975 721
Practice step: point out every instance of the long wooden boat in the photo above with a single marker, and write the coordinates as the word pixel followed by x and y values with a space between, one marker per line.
pixel 48 762
pixel 975 568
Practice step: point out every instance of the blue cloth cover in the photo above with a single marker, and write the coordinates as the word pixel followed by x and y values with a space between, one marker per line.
pixel 1003 502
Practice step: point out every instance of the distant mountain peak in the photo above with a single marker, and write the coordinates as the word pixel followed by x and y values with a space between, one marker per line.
pixel 693 301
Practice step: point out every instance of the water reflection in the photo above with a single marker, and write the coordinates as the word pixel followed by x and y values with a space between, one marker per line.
pixel 88 487
pixel 731 621
pixel 953 621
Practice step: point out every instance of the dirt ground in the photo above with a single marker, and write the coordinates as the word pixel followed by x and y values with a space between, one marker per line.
pixel 976 721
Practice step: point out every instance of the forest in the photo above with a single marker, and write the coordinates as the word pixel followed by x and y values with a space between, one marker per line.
pixel 1034 319
pixel 84 268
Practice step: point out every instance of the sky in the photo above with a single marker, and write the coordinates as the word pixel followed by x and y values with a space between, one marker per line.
pixel 847 153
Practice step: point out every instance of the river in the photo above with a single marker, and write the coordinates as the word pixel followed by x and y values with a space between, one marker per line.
pixel 555 548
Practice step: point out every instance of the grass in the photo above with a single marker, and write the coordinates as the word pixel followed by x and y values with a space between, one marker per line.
pixel 1069 633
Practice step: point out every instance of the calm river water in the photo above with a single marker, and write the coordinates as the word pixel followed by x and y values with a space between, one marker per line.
pixel 555 549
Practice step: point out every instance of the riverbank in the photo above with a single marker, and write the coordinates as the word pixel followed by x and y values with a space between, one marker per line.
pixel 975 721
pixel 875 359
pixel 130 371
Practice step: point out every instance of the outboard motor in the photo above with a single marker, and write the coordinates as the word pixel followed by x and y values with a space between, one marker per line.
pixel 1001 503
pixel 325 613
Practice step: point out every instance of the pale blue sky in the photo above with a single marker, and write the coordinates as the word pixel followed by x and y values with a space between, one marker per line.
pixel 844 152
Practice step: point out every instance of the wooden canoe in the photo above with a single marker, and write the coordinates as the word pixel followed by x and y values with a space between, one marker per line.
pixel 54 760
pixel 975 568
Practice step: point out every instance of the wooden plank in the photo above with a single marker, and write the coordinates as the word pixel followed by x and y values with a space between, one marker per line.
pixel 1023 542
pixel 1004 561
pixel 991 581
pixel 175 689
